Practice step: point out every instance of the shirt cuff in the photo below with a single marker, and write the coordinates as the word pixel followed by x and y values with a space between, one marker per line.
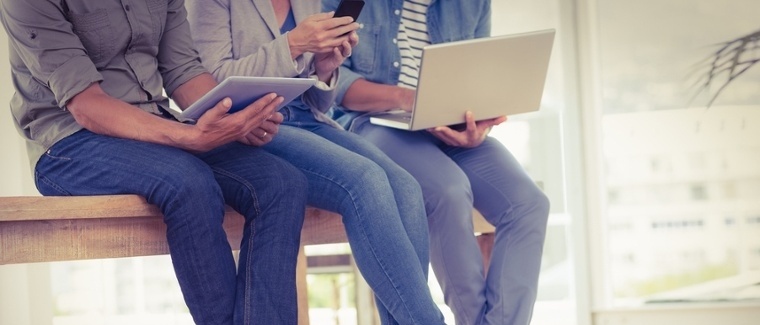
pixel 330 85
pixel 299 64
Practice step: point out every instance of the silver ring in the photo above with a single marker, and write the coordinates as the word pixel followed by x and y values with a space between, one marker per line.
pixel 265 134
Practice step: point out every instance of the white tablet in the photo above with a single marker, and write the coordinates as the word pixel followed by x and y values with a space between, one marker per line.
pixel 245 90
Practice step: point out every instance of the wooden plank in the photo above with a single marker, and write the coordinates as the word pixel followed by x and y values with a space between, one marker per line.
pixel 41 229
pixel 45 229
pixel 75 207
pixel 75 239
pixel 322 227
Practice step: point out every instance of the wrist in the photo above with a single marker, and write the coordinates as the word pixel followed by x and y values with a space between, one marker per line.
pixel 186 137
pixel 295 49
pixel 324 76
pixel 403 99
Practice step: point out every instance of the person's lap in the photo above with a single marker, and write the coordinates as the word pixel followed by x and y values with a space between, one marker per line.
pixel 453 181
pixel 187 189
pixel 350 176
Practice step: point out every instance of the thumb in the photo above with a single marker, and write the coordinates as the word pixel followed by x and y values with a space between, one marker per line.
pixel 220 109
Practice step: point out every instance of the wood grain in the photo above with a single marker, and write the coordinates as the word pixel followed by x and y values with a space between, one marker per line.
pixel 45 229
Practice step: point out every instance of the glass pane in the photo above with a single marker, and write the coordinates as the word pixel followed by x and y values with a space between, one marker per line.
pixel 681 152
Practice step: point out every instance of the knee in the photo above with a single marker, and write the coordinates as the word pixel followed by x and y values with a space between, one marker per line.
pixel 454 199
pixel 367 174
pixel 541 203
pixel 534 210
pixel 403 183
pixel 189 188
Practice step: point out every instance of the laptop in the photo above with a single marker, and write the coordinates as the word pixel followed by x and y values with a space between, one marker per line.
pixel 493 76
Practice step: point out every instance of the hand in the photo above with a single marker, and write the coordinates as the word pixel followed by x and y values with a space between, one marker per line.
pixel 264 133
pixel 320 33
pixel 326 63
pixel 217 127
pixel 471 137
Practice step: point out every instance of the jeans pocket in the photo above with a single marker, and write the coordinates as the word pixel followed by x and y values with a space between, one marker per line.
pixel 48 164
pixel 287 114
pixel 47 187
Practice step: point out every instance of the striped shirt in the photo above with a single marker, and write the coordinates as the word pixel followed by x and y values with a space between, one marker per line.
pixel 412 37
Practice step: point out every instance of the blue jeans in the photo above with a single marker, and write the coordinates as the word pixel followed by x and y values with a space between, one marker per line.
pixel 382 211
pixel 488 178
pixel 191 191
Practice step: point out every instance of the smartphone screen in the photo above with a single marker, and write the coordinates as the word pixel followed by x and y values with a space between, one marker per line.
pixel 350 8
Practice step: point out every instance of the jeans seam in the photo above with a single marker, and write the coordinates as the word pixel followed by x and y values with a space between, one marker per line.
pixel 252 225
pixel 365 237
pixel 48 182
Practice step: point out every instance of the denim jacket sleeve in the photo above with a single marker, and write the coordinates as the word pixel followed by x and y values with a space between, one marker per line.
pixel 483 27
pixel 347 77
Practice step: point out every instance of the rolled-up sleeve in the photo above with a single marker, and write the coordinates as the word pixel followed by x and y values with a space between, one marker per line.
pixel 46 43
pixel 178 61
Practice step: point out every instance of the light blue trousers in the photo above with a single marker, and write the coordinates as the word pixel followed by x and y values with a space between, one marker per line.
pixel 488 178
pixel 382 211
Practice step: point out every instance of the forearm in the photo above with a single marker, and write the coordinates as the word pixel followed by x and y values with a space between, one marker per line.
pixel 192 90
pixel 102 114
pixel 367 96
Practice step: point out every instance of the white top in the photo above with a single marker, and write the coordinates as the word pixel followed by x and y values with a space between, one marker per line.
pixel 412 37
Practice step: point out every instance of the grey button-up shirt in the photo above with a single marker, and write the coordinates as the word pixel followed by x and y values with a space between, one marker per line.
pixel 134 48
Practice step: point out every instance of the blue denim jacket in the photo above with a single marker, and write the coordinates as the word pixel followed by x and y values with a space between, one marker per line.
pixel 377 58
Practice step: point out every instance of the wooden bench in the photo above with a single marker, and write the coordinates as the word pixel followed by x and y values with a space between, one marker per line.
pixel 44 229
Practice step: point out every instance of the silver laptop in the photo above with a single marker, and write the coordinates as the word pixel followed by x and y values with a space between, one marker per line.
pixel 494 76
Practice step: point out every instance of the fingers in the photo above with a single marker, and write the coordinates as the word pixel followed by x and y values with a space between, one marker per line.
pixel 261 108
pixel 323 16
pixel 353 38
pixel 472 136
pixel 268 128
pixel 276 118
pixel 220 109
pixel 338 55
pixel 252 139
pixel 472 128
pixel 343 31
pixel 448 136
pixel 492 122
pixel 345 49
pixel 328 23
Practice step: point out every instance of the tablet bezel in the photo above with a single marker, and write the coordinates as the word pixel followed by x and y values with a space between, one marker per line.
pixel 245 90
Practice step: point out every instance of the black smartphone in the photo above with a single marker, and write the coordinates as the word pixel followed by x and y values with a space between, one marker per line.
pixel 350 8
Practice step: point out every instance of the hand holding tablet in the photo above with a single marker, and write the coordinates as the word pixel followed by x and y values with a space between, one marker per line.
pixel 245 90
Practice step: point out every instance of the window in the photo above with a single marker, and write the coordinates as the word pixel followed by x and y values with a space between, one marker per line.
pixel 694 160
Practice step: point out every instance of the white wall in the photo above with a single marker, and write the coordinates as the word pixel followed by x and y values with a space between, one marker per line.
pixel 15 175
pixel 19 284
